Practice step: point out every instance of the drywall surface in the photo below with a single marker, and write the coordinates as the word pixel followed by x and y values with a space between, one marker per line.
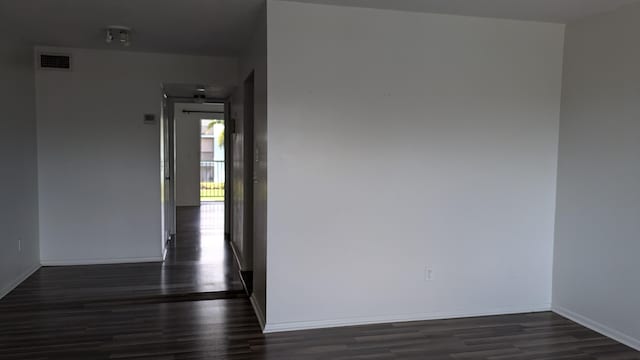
pixel 20 254
pixel 99 162
pixel 404 146
pixel 187 157
pixel 595 278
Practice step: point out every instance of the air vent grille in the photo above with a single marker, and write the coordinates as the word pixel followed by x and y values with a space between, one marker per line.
pixel 50 61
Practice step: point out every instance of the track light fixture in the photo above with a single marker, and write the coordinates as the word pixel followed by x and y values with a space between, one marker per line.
pixel 120 34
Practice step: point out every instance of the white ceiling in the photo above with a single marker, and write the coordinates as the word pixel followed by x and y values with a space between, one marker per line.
pixel 557 11
pixel 199 27
pixel 223 27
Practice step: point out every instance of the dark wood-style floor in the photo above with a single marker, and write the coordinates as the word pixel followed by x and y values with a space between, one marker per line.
pixel 153 311
pixel 199 261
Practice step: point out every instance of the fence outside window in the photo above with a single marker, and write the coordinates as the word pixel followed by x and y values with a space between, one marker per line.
pixel 212 178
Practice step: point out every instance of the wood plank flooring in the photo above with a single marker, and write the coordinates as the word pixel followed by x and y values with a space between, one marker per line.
pixel 199 261
pixel 124 312
pixel 227 329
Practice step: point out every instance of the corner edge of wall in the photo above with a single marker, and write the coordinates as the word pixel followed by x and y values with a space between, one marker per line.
pixel 259 313
pixel 15 283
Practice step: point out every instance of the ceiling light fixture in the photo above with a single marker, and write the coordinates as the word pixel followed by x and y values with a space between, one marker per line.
pixel 200 98
pixel 200 95
pixel 121 34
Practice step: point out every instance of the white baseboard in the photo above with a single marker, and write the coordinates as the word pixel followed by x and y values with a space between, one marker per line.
pixel 165 249
pixel 237 255
pixel 306 325
pixel 7 289
pixel 258 311
pixel 100 261
pixel 598 327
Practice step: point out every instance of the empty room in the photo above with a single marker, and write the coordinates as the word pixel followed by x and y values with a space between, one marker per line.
pixel 320 179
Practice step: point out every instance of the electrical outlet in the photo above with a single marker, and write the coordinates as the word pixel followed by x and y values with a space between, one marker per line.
pixel 428 273
pixel 19 245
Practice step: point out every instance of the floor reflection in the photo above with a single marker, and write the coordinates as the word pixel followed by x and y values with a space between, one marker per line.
pixel 213 248
pixel 201 251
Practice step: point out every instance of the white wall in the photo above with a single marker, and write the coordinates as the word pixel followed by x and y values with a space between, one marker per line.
pixel 596 278
pixel 18 197
pixel 187 157
pixel 399 141
pixel 98 162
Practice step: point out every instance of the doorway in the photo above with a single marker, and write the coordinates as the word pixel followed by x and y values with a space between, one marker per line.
pixel 200 174
pixel 212 178
pixel 212 160
pixel 196 186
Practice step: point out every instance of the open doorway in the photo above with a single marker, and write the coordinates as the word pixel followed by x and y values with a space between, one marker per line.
pixel 200 172
pixel 212 184
pixel 212 160
pixel 196 188
pixel 212 176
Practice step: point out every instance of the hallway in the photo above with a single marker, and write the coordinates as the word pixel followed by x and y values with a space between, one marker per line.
pixel 200 258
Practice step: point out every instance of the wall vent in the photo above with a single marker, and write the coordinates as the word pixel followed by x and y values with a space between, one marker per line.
pixel 55 62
